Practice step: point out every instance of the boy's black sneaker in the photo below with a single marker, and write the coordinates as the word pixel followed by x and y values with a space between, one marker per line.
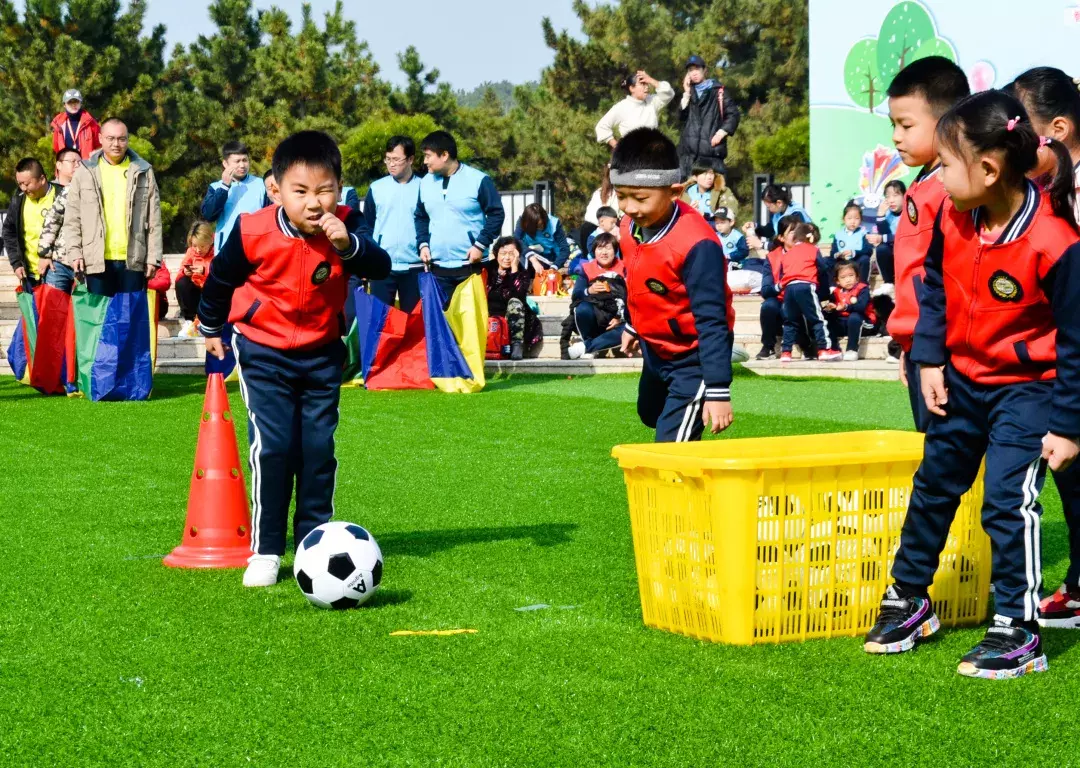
pixel 1010 649
pixel 903 620
pixel 766 354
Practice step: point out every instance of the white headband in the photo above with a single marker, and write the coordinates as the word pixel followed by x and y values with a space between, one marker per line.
pixel 645 178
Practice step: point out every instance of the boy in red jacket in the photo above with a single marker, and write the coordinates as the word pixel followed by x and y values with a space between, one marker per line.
pixel 800 277
pixel 281 279
pixel 679 301
pixel 919 95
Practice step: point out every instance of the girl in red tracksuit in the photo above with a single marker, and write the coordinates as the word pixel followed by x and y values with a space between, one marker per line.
pixel 998 348
pixel 801 277
pixel 848 309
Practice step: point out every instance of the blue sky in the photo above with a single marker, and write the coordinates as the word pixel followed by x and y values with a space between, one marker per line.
pixel 479 40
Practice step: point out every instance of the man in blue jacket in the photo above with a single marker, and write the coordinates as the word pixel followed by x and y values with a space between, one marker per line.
pixel 238 192
pixel 458 216
pixel 390 212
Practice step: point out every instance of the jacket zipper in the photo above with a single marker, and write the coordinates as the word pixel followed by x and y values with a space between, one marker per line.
pixel 974 293
pixel 303 294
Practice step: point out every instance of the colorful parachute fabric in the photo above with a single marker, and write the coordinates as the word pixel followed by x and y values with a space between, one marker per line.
pixel 116 340
pixel 42 351
pixel 422 349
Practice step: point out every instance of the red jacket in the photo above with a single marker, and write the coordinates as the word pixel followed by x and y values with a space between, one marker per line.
pixel 854 298
pixel 281 289
pixel 913 234
pixel 593 270
pixel 798 264
pixel 193 259
pixel 161 280
pixel 679 299
pixel 1002 299
pixel 87 139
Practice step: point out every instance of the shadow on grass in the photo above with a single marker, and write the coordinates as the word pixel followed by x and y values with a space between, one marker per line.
pixel 386 597
pixel 424 543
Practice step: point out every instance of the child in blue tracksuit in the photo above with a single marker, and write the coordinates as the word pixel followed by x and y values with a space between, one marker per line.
pixel 280 279
pixel 888 219
pixel 543 238
pixel 735 248
pixel 997 342
pixel 850 246
pixel 238 192
pixel 778 203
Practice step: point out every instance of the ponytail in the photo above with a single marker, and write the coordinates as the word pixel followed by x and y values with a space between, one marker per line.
pixel 1062 187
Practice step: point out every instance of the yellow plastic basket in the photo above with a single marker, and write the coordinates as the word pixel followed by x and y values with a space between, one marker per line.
pixel 771 540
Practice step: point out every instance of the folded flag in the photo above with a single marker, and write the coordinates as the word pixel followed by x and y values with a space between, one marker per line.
pixel 42 351
pixel 116 343
pixel 422 349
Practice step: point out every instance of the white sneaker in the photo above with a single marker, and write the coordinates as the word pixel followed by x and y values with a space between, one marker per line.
pixel 187 330
pixel 577 350
pixel 587 356
pixel 262 571
pixel 851 356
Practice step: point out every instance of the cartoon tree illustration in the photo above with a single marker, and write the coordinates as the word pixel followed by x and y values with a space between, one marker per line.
pixel 861 77
pixel 908 33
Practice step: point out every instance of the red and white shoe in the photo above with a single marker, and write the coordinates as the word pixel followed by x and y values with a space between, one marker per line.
pixel 830 355
pixel 1061 610
pixel 785 357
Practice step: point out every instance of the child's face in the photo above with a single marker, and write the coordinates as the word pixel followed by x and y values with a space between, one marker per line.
pixel 914 124
pixel 966 179
pixel 852 219
pixel 271 189
pixel 608 223
pixel 776 207
pixel 202 248
pixel 648 206
pixel 308 194
pixel 506 256
pixel 894 199
pixel 706 180
pixel 605 255
pixel 240 165
pixel 846 279
pixel 724 226
pixel 788 237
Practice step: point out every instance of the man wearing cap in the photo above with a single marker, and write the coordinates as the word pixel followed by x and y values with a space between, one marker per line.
pixel 708 115
pixel 639 109
pixel 75 128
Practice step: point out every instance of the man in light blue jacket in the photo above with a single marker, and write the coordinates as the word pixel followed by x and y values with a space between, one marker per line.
pixel 459 214
pixel 390 212
pixel 238 192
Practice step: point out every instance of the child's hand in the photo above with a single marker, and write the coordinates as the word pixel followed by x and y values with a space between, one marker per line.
pixel 215 347
pixel 845 254
pixel 874 240
pixel 717 414
pixel 335 231
pixel 934 391
pixel 629 343
pixel 748 228
pixel 1060 452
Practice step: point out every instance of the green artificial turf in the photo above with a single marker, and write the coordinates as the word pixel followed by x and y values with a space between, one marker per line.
pixel 482 504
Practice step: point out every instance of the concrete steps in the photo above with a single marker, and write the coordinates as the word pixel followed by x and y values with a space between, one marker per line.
pixel 866 370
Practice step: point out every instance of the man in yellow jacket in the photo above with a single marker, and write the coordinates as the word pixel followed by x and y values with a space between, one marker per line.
pixel 112 226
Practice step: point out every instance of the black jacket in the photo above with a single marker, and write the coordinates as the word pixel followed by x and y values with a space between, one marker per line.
pixel 13 230
pixel 703 117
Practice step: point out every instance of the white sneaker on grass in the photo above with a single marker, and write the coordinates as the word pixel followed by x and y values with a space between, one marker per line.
pixel 262 571
pixel 851 356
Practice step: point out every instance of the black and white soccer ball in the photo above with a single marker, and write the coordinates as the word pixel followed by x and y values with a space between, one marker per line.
pixel 338 565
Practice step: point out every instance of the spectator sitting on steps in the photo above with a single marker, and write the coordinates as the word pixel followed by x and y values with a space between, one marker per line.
pixel 708 192
pixel 598 305
pixel 543 237
pixel 508 283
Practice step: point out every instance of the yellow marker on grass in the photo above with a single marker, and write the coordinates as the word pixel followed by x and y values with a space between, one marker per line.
pixel 434 632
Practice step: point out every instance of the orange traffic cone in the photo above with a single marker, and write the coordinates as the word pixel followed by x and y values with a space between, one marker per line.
pixel 217 531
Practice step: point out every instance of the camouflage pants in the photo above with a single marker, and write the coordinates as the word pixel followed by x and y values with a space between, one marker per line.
pixel 515 318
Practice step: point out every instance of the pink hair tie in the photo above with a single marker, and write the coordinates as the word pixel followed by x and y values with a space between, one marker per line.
pixel 1044 141
pixel 1012 123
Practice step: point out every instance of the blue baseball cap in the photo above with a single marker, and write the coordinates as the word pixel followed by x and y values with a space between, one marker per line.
pixel 695 61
